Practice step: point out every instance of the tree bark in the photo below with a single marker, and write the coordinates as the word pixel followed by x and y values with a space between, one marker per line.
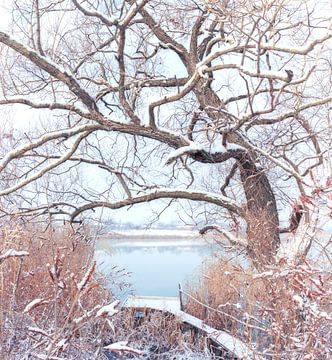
pixel 261 213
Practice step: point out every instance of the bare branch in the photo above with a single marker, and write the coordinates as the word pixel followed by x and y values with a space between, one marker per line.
pixel 51 68
pixel 234 240
pixel 164 194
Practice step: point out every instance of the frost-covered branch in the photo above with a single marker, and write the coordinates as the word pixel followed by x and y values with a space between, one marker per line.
pixel 190 149
pixel 301 50
pixel 108 310
pixel 122 347
pixel 266 74
pixel 49 105
pixel 34 303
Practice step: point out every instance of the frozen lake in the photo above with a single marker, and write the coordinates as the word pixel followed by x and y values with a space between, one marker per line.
pixel 155 267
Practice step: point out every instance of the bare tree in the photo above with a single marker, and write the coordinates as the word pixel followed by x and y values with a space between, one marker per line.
pixel 224 103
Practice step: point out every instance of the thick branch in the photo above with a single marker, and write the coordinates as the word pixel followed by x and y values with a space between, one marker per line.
pixel 163 36
pixel 165 193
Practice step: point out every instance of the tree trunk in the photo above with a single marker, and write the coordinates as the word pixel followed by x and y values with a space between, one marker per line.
pixel 261 214
pixel 261 210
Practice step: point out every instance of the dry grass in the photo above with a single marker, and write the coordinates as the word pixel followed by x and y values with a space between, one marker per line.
pixel 283 312
pixel 57 262
pixel 147 330
pixel 222 286
pixel 161 336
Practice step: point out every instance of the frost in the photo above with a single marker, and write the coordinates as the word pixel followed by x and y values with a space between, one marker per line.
pixel 109 310
pixel 264 274
pixel 223 149
pixel 62 343
pixel 299 300
pixel 86 316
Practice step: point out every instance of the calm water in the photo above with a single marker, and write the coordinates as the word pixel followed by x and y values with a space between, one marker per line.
pixel 154 267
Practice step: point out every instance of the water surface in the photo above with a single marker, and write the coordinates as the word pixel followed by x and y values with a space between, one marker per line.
pixel 156 267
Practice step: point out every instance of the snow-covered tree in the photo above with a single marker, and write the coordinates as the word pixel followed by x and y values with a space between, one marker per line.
pixel 225 104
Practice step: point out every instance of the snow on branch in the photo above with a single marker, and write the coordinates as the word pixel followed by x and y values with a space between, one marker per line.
pixel 34 303
pixel 12 253
pixel 189 149
pixel 86 278
pixel 165 193
pixel 263 74
pixel 136 6
pixel 121 347
pixel 234 240
pixel 292 113
pixel 49 106
pixel 51 68
pixel 47 168
pixel 109 21
pixel 302 50
pixel 236 47
pixel 86 315
pixel 20 150
pixel 108 310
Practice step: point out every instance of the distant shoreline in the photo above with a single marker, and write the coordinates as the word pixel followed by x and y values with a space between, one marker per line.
pixel 152 234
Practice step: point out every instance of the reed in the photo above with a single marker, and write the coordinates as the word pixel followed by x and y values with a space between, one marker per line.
pixel 282 313
pixel 50 294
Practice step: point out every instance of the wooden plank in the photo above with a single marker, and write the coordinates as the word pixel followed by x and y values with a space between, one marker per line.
pixel 172 305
